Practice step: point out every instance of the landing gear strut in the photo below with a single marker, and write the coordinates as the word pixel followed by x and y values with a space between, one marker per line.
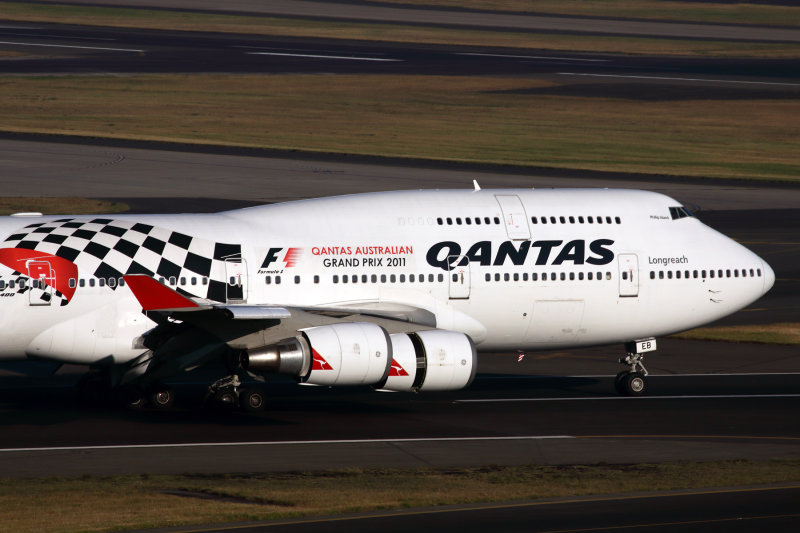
pixel 633 382
pixel 227 393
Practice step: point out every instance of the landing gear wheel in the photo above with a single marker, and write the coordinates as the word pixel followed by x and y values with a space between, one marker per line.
pixel 251 400
pixel 131 397
pixel 226 398
pixel 162 397
pixel 634 384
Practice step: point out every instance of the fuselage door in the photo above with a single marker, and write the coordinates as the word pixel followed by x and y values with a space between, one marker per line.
pixel 43 279
pixel 514 217
pixel 628 275
pixel 236 280
pixel 459 279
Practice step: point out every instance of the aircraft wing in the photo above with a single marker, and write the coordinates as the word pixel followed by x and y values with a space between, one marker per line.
pixel 157 297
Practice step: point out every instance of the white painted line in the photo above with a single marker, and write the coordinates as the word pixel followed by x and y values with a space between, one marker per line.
pixel 678 79
pixel 651 375
pixel 72 46
pixel 534 57
pixel 280 443
pixel 598 398
pixel 320 56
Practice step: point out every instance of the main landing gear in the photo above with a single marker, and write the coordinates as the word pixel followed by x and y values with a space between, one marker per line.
pixel 228 394
pixel 633 382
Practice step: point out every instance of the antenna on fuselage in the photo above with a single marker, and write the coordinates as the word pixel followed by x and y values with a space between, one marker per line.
pixel 475 183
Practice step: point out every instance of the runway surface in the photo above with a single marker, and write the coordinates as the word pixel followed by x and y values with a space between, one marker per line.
pixel 54 48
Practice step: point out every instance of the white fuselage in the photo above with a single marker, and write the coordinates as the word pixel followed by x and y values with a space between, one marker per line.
pixel 513 269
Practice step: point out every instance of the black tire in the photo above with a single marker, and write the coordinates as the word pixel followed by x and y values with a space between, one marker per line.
pixel 226 398
pixel 131 397
pixel 634 384
pixel 161 397
pixel 618 382
pixel 252 400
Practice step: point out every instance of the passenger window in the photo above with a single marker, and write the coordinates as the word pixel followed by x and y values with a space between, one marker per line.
pixel 678 274
pixel 617 220
pixel 571 220
pixel 402 278
pixel 552 220
pixel 458 220
pixel 439 221
pixel 335 278
pixel 296 279
pixel 383 278
pixel 81 283
pixel 316 279
pixel 534 220
pixel 506 277
pixel 268 280
pixel 374 278
pixel 544 220
pixel 524 276
pixel 441 278
pixel 669 274
pixel 449 221
pixel 497 277
pixel 652 275
pixel 516 277
pixel 534 277
pixel 194 280
pixel 72 284
pixel 468 221
pixel 591 220
pixel 112 282
pixel 497 220
pixel 485 221
pixel 91 282
pixel 608 220
pixel 488 277
pixel 277 280
pixel 589 276
pixel 205 281
pixel 552 276
pixel 562 220
pixel 344 279
pixel 121 282
pixel 608 275
pixel 478 221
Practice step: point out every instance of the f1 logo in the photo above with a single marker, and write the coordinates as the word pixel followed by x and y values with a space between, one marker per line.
pixel 271 257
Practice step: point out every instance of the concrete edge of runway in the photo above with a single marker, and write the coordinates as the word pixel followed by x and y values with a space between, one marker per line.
pixel 401 162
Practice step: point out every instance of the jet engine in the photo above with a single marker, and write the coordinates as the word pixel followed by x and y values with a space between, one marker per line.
pixel 362 353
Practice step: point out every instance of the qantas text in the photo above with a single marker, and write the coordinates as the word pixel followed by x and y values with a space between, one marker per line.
pixel 448 254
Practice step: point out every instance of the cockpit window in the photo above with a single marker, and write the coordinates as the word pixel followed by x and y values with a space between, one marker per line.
pixel 679 212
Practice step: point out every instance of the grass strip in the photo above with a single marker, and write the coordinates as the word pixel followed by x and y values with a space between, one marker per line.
pixel 782 333
pixel 524 122
pixel 703 12
pixel 93 503
pixel 59 206
pixel 404 33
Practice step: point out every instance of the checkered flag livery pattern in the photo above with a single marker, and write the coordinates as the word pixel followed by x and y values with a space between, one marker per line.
pixel 111 248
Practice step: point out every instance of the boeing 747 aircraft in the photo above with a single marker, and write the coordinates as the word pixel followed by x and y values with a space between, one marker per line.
pixel 397 290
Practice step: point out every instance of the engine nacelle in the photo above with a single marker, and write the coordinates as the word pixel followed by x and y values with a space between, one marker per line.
pixel 357 353
pixel 430 361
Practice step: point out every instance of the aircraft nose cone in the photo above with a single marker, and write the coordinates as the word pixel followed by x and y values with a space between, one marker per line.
pixel 769 277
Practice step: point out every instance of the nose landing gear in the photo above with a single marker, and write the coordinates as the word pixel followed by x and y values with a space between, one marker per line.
pixel 633 382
